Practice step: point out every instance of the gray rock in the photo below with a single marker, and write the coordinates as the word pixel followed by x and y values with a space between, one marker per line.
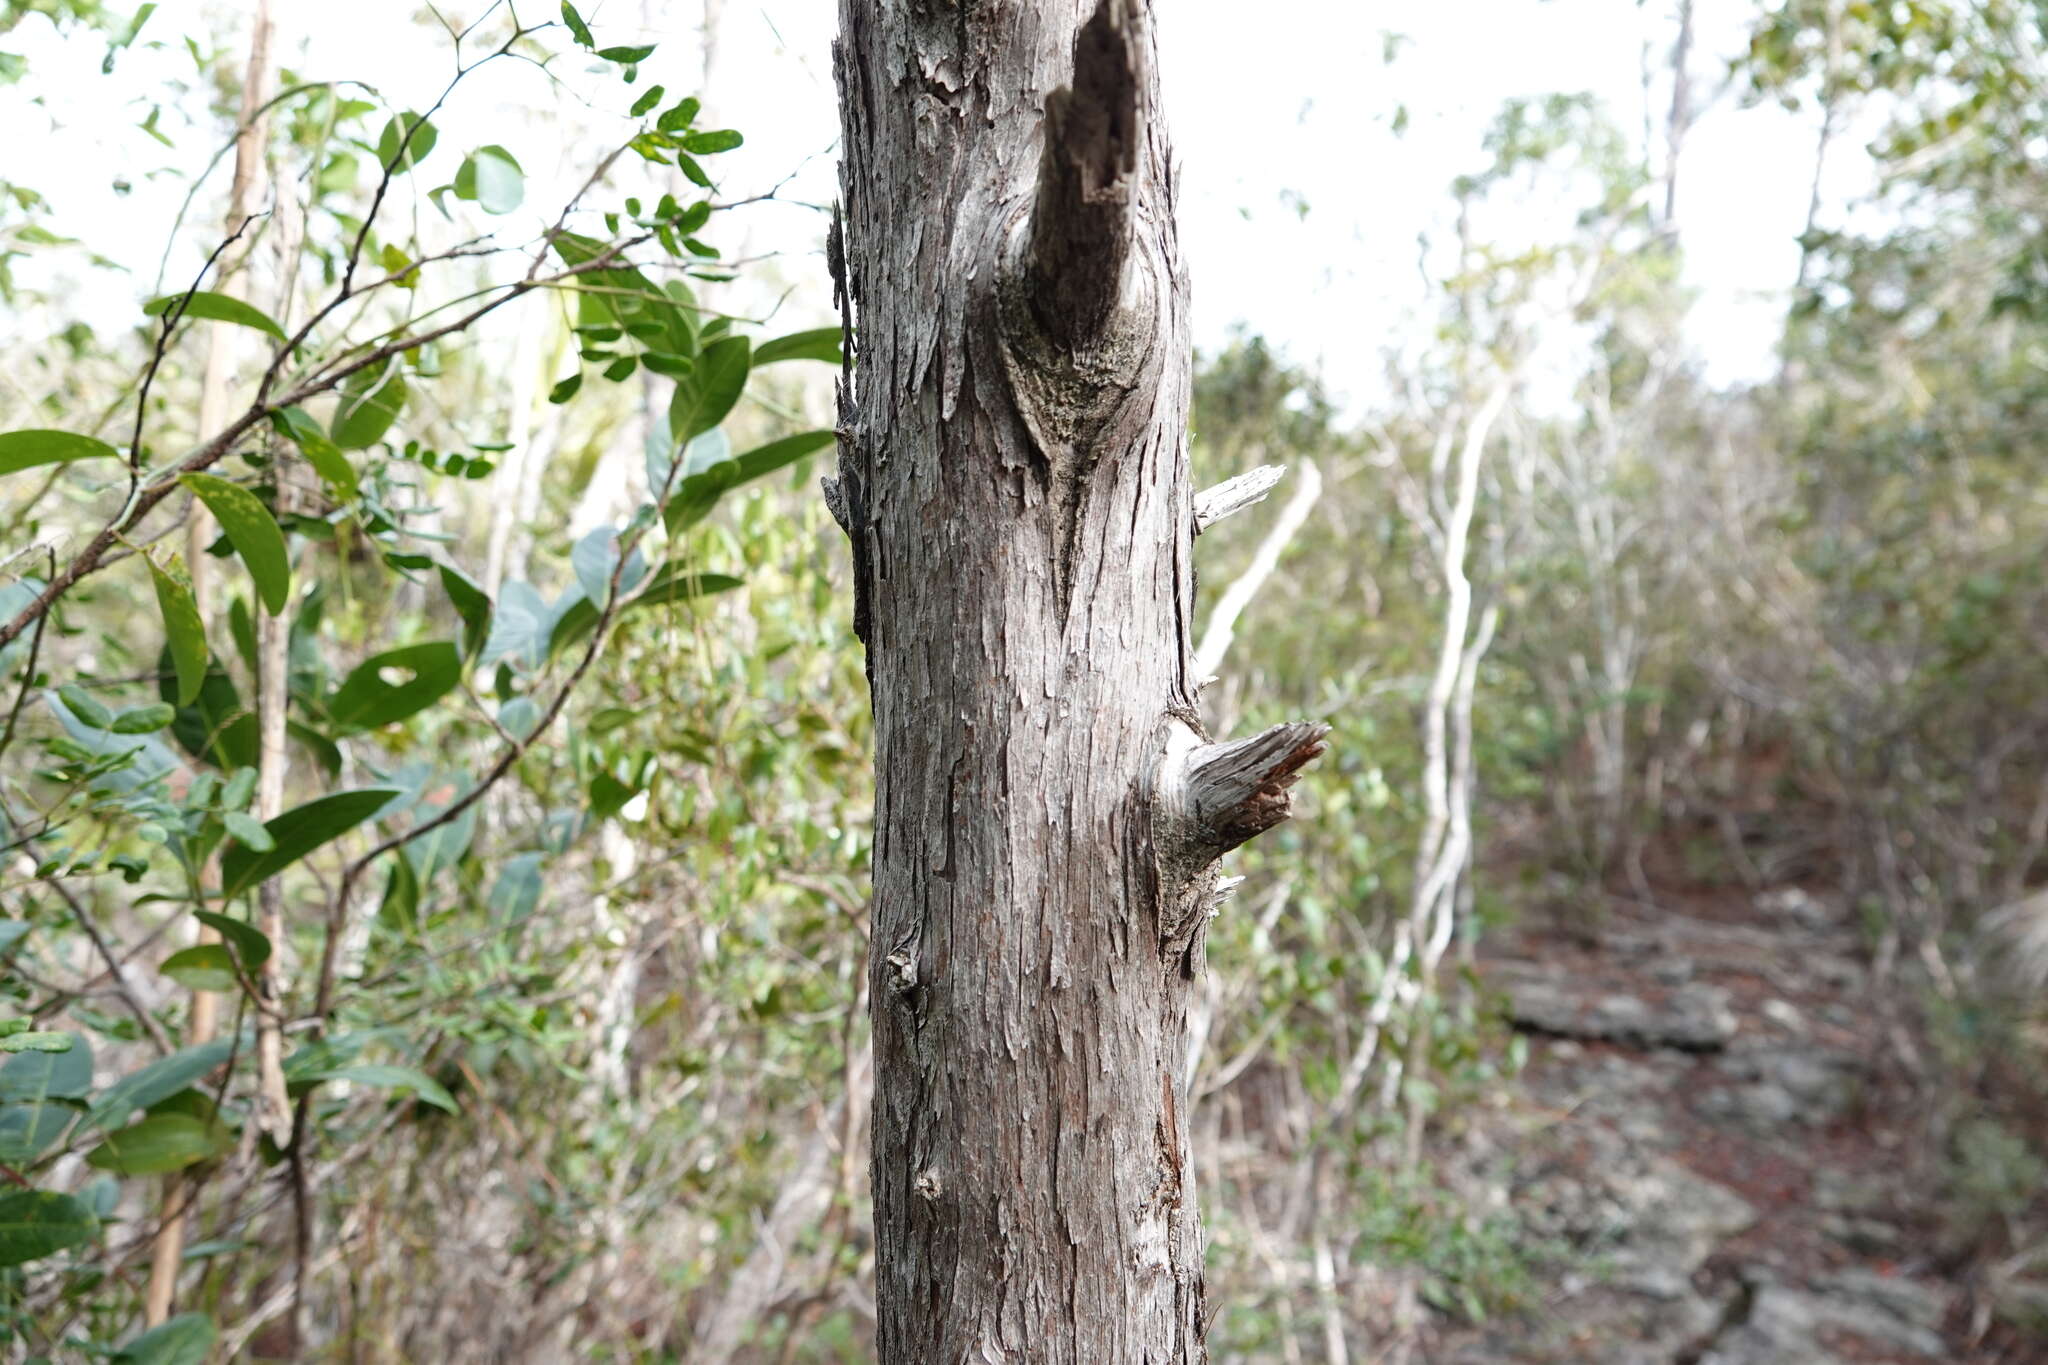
pixel 1692 1018
pixel 1787 1326
pixel 1649 1220
pixel 1780 1086
pixel 1785 1015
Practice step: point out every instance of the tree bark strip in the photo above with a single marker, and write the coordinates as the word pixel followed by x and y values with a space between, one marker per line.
pixel 179 1191
pixel 1014 481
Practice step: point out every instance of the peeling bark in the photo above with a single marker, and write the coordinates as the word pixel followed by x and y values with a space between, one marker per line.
pixel 1013 479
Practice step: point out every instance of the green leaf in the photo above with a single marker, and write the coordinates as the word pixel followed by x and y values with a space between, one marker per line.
pixel 705 395
pixel 204 303
pixel 575 620
pixel 400 908
pixel 595 556
pixel 366 700
pixel 182 626
pixel 679 117
pixel 564 390
pixel 251 944
pixel 394 1078
pixel 371 400
pixel 35 1079
pixel 672 586
pixel 144 720
pixel 202 967
pixel 217 729
pixel 709 142
pixel 161 1079
pixel 696 495
pixel 86 706
pixel 183 1340
pixel 646 101
pixel 578 30
pixel 29 1130
pixel 324 455
pixel 516 894
pixel 621 297
pixel 491 177
pixel 248 831
pixel 520 626
pixel 393 139
pixel 39 1223
pixel 252 531
pixel 27 449
pixel 298 832
pixel 626 56
pixel 35 1093
pixel 764 460
pixel 819 344
pixel 37 1042
pixel 471 605
pixel 608 795
pixel 159 1143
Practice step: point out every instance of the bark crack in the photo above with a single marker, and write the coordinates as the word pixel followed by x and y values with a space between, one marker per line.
pixel 1081 225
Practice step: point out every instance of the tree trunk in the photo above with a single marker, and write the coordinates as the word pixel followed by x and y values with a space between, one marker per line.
pixel 1014 480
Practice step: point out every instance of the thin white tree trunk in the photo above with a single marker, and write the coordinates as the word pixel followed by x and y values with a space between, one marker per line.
pixel 167 1254
pixel 1222 627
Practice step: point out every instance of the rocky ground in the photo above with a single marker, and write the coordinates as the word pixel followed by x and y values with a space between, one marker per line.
pixel 1725 1131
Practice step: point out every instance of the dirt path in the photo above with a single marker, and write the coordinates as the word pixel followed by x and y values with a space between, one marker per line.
pixel 1723 1131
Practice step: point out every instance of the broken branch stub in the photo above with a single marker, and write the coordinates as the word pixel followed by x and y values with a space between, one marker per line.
pixel 1234 495
pixel 1082 231
pixel 1237 791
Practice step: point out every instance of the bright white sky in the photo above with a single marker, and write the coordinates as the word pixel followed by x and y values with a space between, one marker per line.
pixel 1301 208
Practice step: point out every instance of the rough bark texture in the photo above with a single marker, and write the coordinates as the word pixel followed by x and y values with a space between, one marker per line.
pixel 1014 481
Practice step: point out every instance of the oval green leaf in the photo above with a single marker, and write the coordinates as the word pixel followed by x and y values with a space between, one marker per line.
pixel 818 344
pixel 158 1144
pixel 202 967
pixel 27 449
pixel 144 720
pixel 251 944
pixel 252 531
pixel 182 626
pixel 183 1340
pixel 86 706
pixel 393 141
pixel 324 455
pixel 471 604
pixel 671 587
pixel 491 177
pixel 705 395
pixel 161 1079
pixel 39 1223
pixel 371 400
pixel 204 303
pixel 38 1041
pixel 298 832
pixel 248 831
pixel 367 699
pixel 394 1078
